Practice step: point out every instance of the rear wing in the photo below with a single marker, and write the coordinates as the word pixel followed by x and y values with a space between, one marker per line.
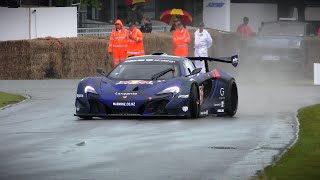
pixel 232 60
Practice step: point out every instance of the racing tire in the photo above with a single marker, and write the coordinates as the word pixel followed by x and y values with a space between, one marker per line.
pixel 194 102
pixel 231 104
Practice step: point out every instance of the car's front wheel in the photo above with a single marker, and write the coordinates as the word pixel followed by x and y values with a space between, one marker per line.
pixel 194 102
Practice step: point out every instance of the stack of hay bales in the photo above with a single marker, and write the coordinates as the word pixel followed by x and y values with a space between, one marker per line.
pixel 79 57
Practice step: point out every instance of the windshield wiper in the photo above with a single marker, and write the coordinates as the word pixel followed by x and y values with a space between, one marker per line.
pixel 156 76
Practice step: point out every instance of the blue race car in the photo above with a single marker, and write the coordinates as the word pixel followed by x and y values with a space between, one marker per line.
pixel 158 85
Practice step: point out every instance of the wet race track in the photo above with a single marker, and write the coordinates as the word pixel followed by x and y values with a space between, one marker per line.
pixel 41 139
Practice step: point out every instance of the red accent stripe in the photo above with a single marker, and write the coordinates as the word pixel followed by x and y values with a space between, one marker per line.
pixel 216 74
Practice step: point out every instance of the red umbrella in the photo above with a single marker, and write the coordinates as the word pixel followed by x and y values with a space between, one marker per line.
pixel 169 16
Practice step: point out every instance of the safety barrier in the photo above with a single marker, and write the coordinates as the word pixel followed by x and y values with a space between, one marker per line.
pixel 106 31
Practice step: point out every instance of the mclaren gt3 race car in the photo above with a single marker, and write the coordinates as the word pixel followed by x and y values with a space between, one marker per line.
pixel 158 85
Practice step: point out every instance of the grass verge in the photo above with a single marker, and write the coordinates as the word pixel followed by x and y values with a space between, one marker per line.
pixel 6 99
pixel 302 161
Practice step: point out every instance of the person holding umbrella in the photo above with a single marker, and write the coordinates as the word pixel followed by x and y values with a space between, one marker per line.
pixel 202 42
pixel 181 39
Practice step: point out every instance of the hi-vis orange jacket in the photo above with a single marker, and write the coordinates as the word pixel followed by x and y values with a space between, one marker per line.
pixel 135 43
pixel 181 39
pixel 118 44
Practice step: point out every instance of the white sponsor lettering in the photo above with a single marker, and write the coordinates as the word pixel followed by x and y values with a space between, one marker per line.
pixel 215 105
pixel 222 103
pixel 124 104
pixel 185 108
pixel 126 93
pixel 220 110
pixel 204 112
pixel 222 91
pixel 79 95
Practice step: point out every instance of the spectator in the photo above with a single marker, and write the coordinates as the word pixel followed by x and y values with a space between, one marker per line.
pixel 244 30
pixel 202 41
pixel 146 25
pixel 132 14
pixel 118 43
pixel 173 27
pixel 135 41
pixel 181 40
pixel 139 14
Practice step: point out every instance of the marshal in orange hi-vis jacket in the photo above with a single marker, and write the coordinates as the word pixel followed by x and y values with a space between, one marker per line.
pixel 181 40
pixel 135 41
pixel 118 43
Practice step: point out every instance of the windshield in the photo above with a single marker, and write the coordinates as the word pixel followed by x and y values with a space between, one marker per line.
pixel 282 29
pixel 144 69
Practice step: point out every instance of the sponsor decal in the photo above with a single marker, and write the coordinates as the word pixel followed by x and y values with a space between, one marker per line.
pixel 219 104
pixel 183 96
pixel 220 110
pixel 216 105
pixel 135 82
pixel 185 108
pixel 222 91
pixel 124 97
pixel 222 98
pixel 222 104
pixel 79 95
pixel 216 4
pixel 204 112
pixel 126 93
pixel 150 60
pixel 124 104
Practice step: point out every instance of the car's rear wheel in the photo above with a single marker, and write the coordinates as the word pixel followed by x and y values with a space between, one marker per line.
pixel 194 102
pixel 231 99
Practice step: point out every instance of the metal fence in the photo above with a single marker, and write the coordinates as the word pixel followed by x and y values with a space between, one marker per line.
pixel 107 30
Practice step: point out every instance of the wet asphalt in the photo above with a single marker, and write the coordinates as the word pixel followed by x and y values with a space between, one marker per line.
pixel 41 139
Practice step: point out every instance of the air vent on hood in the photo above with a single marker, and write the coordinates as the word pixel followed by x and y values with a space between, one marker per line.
pixel 136 88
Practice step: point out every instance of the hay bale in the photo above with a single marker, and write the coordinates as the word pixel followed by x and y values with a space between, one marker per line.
pixel 45 59
pixel 81 57
pixel 15 60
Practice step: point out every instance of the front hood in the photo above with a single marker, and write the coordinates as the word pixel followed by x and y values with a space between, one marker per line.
pixel 275 42
pixel 137 91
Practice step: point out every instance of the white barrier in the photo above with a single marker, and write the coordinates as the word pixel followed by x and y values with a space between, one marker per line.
pixel 316 73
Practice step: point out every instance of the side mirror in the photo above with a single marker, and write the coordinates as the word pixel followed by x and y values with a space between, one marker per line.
pixel 196 71
pixel 101 71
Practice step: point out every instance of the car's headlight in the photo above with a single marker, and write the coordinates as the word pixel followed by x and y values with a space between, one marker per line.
pixel 174 90
pixel 90 90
